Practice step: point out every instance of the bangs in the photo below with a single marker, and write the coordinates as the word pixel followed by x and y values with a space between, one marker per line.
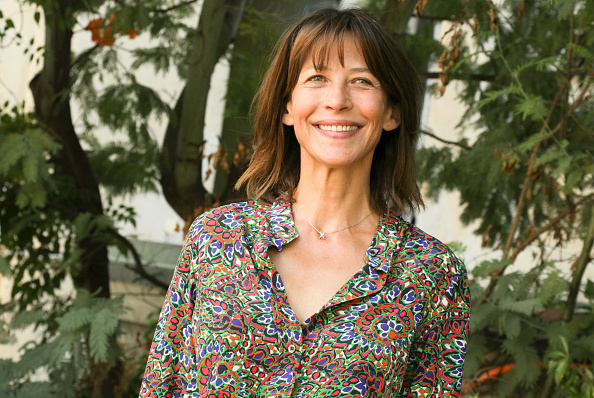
pixel 316 43
pixel 320 49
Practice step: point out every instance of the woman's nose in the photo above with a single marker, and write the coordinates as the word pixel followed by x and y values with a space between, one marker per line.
pixel 337 97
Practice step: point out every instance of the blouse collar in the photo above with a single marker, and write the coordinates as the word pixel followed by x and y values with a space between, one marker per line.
pixel 278 229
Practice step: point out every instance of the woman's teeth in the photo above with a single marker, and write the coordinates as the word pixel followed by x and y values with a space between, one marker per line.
pixel 337 128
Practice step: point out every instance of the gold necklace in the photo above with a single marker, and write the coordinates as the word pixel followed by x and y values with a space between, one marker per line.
pixel 323 234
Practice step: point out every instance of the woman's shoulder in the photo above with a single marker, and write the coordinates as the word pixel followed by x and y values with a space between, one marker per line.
pixel 229 217
pixel 439 270
pixel 422 250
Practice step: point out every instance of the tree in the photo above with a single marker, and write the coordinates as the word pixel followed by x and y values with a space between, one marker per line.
pixel 526 180
pixel 57 178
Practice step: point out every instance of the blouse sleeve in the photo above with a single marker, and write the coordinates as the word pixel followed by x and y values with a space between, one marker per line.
pixel 436 359
pixel 171 362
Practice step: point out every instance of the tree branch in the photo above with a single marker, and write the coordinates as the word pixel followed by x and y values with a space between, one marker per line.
pixel 478 77
pixel 548 226
pixel 529 173
pixel 580 266
pixel 176 6
pixel 525 187
pixel 181 160
pixel 138 266
pixel 457 143
pixel 433 18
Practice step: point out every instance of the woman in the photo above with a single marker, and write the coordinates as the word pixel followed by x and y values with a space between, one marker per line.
pixel 285 296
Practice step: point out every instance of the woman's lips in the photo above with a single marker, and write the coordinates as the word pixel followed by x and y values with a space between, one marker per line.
pixel 327 127
pixel 338 130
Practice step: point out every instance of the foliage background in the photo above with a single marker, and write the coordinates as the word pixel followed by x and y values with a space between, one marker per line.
pixel 522 69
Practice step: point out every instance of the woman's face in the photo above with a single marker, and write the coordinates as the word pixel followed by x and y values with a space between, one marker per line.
pixel 338 113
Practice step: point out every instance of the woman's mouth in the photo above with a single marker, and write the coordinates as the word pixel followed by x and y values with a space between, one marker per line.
pixel 337 128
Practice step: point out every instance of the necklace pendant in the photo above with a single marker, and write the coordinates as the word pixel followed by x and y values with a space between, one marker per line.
pixel 322 235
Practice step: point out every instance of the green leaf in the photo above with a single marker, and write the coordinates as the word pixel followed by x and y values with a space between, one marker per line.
pixel 26 318
pixel 488 266
pixel 526 307
pixel 33 195
pixel 475 354
pixel 549 156
pixel 539 63
pixel 103 326
pixel 563 166
pixel 12 149
pixel 38 389
pixel 76 319
pixel 492 96
pixel 37 16
pixel 35 357
pixel 511 325
pixel 531 107
pixel 560 369
pixel 573 180
pixel 5 267
pixel 457 247
pixel 483 316
pixel 557 332
pixel 533 140
pixel 552 286
pixel 581 51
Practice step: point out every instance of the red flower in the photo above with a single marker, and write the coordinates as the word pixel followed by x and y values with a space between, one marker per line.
pixel 104 34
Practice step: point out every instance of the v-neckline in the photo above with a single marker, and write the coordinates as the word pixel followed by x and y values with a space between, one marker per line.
pixel 381 225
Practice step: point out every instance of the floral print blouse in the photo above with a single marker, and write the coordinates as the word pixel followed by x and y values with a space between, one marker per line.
pixel 397 328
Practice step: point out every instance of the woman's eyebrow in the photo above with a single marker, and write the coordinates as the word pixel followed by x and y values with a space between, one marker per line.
pixel 359 70
pixel 325 67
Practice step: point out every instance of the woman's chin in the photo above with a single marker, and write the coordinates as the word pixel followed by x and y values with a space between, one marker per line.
pixel 338 161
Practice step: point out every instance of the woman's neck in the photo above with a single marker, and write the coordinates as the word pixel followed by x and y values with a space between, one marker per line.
pixel 332 198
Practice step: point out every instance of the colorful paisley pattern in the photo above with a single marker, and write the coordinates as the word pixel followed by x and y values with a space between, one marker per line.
pixel 397 328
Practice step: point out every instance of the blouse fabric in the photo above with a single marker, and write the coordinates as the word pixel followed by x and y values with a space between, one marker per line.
pixel 397 328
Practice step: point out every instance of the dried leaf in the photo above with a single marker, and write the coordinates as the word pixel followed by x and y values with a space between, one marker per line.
pixel 522 10
pixel 494 19
pixel 420 7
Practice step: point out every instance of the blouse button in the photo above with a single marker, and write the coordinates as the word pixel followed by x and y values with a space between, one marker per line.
pixel 291 348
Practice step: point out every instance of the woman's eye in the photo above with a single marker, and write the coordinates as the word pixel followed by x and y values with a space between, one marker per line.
pixel 361 80
pixel 316 79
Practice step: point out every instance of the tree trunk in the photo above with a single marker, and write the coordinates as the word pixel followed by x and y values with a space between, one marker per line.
pixel 51 88
pixel 248 63
pixel 181 165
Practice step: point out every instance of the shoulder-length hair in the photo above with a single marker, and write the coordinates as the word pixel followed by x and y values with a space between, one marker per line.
pixel 274 167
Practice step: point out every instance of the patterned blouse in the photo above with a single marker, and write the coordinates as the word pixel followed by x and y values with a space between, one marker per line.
pixel 397 328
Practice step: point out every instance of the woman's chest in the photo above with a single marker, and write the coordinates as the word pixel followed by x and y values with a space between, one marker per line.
pixel 369 322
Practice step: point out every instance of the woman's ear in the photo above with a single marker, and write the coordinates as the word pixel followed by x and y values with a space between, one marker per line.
pixel 392 120
pixel 288 116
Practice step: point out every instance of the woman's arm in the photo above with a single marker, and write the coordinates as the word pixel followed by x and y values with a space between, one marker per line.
pixel 436 359
pixel 171 361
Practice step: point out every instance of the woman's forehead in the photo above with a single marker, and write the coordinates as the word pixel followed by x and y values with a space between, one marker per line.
pixel 322 51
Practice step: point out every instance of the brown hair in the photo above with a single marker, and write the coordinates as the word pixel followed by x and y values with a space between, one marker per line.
pixel 275 164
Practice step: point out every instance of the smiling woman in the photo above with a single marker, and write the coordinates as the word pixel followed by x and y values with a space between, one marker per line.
pixel 316 287
pixel 338 112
